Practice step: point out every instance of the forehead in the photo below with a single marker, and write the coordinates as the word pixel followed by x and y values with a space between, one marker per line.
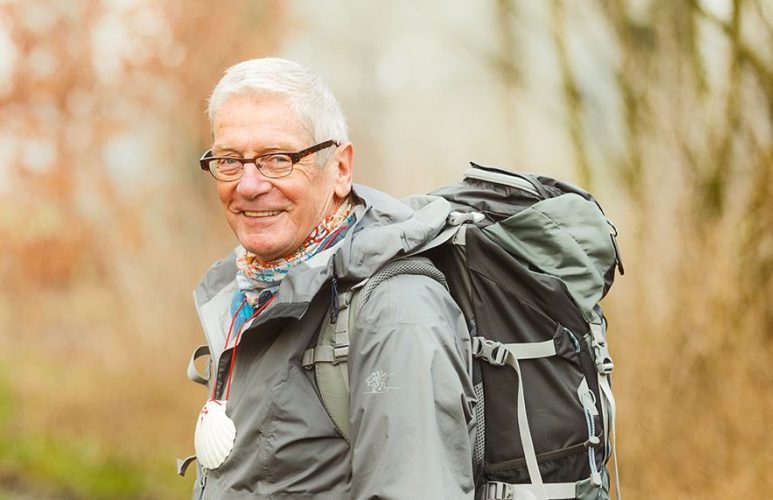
pixel 258 121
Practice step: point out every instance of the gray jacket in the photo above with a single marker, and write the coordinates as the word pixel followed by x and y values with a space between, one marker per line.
pixel 411 435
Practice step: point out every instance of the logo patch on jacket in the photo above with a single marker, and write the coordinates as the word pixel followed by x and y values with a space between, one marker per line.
pixel 378 382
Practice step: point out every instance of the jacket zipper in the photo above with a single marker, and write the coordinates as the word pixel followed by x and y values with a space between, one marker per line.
pixel 202 482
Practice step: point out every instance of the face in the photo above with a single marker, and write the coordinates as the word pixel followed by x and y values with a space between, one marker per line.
pixel 273 217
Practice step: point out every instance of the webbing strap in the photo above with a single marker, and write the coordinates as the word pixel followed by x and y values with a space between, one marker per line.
pixel 604 367
pixel 495 352
pixel 532 350
pixel 605 406
pixel 495 490
pixel 329 360
pixel 526 441
pixel 325 354
pixel 193 372
pixel 609 399
pixel 500 354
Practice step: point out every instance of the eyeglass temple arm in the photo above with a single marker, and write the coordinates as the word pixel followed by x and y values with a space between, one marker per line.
pixel 204 160
pixel 296 157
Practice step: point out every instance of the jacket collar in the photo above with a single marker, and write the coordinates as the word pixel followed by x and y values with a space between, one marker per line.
pixel 385 228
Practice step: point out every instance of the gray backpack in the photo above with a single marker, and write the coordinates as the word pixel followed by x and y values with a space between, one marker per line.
pixel 527 260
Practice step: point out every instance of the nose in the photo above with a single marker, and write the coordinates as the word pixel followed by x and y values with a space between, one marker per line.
pixel 253 183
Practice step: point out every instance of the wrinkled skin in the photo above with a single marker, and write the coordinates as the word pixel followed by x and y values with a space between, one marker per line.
pixel 273 217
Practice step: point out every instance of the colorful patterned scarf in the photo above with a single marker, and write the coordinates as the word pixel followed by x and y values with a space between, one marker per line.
pixel 258 281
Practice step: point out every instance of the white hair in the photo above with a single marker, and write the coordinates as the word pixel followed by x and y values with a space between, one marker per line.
pixel 307 94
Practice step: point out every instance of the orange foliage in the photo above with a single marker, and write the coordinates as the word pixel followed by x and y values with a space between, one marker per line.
pixel 104 115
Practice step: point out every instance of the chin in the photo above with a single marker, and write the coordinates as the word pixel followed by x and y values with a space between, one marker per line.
pixel 263 252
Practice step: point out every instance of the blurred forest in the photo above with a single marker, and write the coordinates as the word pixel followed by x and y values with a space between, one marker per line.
pixel 664 109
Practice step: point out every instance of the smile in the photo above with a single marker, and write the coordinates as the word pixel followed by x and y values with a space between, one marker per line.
pixel 262 213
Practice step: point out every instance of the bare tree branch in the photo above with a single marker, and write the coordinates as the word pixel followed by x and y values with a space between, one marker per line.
pixel 572 96
pixel 763 70
pixel 635 106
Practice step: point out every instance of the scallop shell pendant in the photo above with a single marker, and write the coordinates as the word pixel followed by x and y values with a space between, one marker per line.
pixel 215 435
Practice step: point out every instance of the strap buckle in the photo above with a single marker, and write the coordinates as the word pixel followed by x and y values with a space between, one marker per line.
pixel 603 359
pixel 457 218
pixel 333 354
pixel 499 491
pixel 492 351
pixel 340 354
pixel 604 364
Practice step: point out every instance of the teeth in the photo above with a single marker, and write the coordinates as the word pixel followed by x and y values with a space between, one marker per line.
pixel 264 213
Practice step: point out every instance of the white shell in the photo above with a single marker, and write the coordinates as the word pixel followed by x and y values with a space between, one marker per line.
pixel 215 435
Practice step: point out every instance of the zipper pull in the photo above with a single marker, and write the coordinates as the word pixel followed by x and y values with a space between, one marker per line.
pixel 587 398
pixel 334 304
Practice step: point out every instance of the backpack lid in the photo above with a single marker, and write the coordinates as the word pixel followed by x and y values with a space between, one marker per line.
pixel 567 237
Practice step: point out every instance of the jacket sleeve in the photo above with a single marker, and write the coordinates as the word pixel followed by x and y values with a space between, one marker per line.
pixel 411 398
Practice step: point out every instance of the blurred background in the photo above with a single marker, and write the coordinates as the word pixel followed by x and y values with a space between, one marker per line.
pixel 663 109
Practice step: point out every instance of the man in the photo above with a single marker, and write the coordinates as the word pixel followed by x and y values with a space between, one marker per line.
pixel 282 166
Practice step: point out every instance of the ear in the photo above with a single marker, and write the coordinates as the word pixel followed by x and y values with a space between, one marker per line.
pixel 344 163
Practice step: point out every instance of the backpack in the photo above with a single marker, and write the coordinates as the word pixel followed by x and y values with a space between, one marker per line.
pixel 527 259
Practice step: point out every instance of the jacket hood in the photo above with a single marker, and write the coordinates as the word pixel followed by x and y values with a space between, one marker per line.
pixel 385 228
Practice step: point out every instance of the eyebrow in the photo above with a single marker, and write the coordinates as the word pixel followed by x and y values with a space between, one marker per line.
pixel 224 149
pixel 217 150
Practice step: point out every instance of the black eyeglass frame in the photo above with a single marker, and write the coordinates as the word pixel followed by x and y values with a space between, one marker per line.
pixel 294 158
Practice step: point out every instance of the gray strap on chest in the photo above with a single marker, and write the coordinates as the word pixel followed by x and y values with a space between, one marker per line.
pixel 333 341
pixel 329 357
pixel 332 354
pixel 328 360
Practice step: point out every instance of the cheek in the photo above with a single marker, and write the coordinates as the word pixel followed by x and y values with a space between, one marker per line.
pixel 224 192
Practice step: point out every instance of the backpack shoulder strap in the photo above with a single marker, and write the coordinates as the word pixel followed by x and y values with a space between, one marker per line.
pixel 420 266
pixel 329 357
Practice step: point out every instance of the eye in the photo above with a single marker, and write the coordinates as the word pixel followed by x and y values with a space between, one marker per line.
pixel 277 165
pixel 227 164
pixel 277 160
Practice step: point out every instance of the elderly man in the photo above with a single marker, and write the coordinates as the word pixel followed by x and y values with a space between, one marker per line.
pixel 282 166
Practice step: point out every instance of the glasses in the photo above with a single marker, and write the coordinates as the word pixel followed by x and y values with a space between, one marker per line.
pixel 271 165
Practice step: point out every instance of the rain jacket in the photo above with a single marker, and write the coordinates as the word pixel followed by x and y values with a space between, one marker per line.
pixel 411 417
